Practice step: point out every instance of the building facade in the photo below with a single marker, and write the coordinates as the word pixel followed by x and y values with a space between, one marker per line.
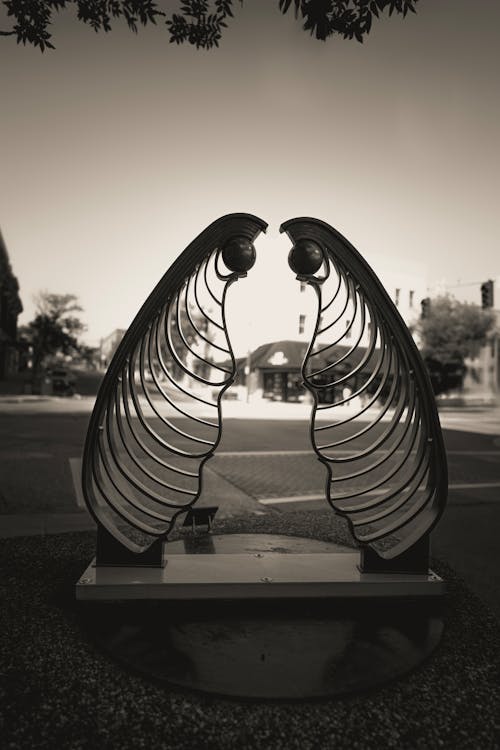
pixel 273 369
pixel 271 344
pixel 482 376
pixel 10 308
pixel 108 346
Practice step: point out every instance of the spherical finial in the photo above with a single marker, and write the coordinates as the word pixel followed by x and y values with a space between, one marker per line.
pixel 238 254
pixel 305 257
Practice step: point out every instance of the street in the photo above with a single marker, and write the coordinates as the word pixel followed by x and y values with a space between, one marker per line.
pixel 261 466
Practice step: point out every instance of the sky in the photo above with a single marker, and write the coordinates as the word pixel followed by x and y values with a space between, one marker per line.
pixel 116 150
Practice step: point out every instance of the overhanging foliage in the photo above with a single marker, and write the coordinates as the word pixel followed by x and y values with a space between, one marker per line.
pixel 197 22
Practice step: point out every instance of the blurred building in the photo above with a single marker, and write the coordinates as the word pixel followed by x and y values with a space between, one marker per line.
pixel 273 369
pixel 270 352
pixel 482 377
pixel 108 346
pixel 10 308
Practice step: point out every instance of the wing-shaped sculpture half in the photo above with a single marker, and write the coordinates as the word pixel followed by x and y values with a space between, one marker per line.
pixel 374 425
pixel 157 417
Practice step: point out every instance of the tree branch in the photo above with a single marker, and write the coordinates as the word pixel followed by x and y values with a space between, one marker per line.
pixel 7 33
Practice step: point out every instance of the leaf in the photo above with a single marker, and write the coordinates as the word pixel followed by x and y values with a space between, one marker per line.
pixel 348 18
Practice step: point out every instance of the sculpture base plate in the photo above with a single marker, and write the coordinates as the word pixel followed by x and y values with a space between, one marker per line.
pixel 331 632
pixel 258 576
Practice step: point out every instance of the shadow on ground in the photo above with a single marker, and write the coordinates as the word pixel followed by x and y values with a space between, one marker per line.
pixel 59 691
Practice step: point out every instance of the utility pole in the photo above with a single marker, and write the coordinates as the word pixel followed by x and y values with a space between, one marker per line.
pixel 248 364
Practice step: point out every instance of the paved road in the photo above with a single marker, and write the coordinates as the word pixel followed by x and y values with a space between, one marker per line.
pixel 268 461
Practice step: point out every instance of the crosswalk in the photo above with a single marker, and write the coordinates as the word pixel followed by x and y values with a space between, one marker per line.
pixel 317 499
pixel 316 495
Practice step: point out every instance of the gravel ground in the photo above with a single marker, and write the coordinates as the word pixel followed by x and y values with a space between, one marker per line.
pixel 58 691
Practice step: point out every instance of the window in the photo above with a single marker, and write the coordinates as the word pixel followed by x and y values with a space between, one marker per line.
pixel 396 297
pixel 348 332
pixel 303 285
pixel 411 297
pixel 302 323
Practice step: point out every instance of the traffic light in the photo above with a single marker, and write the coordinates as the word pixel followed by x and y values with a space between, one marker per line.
pixel 487 294
pixel 425 305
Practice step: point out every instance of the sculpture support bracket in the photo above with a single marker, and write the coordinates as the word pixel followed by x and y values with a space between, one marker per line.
pixel 413 561
pixel 112 553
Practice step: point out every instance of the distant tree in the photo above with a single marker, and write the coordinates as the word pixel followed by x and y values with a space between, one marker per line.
pixel 9 289
pixel 198 22
pixel 87 356
pixel 450 333
pixel 55 328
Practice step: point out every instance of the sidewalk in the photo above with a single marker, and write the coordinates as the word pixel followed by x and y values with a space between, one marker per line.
pixel 482 420
pixel 231 500
pixel 243 483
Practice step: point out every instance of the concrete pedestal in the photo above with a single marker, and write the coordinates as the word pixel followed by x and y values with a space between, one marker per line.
pixel 263 616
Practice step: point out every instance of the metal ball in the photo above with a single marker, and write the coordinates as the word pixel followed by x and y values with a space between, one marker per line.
pixel 238 254
pixel 305 257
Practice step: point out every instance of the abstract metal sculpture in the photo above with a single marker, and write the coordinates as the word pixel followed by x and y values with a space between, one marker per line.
pixel 157 420
pixel 142 466
pixel 387 472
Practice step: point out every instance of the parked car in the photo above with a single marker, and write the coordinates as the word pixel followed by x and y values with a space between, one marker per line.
pixel 63 382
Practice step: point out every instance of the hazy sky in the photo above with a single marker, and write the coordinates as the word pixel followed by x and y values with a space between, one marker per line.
pixel 116 150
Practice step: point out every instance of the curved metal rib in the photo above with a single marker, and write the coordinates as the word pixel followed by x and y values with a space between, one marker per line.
pixel 392 484
pixel 157 416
